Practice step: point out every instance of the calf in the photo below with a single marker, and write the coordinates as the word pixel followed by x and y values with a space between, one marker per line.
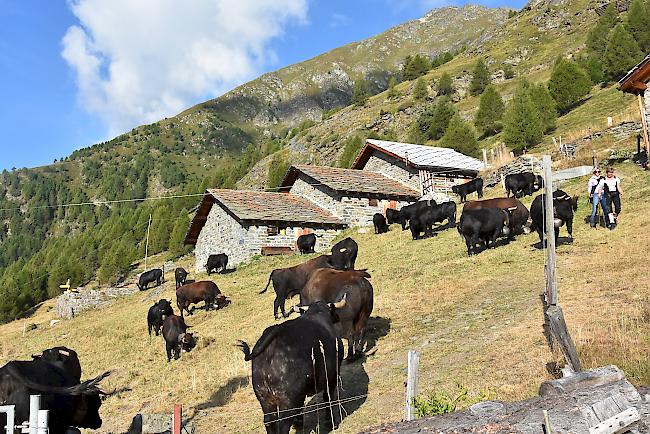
pixel 306 243
pixel 518 213
pixel 55 376
pixel 379 221
pixel 352 286
pixel 176 337
pixel 289 281
pixel 181 276
pixel 204 290
pixel 475 185
pixel 523 184
pixel 423 221
pixel 344 254
pixel 154 275
pixel 482 225
pixel 217 263
pixel 409 211
pixel 294 360
pixel 157 314
pixel 563 209
pixel 392 216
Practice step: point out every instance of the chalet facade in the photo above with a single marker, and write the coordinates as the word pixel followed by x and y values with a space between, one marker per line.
pixel 429 170
pixel 636 82
pixel 243 224
pixel 353 196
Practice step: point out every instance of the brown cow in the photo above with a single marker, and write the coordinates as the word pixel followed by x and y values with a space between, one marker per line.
pixel 518 213
pixel 331 286
pixel 195 292
pixel 289 281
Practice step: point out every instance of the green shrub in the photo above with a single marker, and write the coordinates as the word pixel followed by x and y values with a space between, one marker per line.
pixel 442 402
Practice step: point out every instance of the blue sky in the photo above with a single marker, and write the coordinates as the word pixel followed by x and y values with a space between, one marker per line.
pixel 77 72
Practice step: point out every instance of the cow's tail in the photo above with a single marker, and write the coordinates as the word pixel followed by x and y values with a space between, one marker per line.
pixel 88 387
pixel 267 283
pixel 363 273
pixel 260 346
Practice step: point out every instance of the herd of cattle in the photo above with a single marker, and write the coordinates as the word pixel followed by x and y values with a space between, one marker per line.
pixel 300 357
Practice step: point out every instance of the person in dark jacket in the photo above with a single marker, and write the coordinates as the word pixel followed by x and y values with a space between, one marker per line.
pixel 613 195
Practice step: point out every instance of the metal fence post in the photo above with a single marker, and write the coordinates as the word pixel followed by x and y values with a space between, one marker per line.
pixel 34 407
pixel 178 414
pixel 43 420
pixel 10 411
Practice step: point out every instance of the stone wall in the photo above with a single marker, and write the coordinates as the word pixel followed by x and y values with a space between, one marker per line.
pixel 525 163
pixel 223 234
pixel 394 169
pixel 72 303
pixel 355 211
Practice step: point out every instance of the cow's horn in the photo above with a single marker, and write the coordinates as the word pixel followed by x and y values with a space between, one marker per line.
pixel 303 308
pixel 342 303
pixel 343 249
pixel 64 352
pixel 512 208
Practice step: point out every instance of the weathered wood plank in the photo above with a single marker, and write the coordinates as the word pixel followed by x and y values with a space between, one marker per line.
pixel 617 423
pixel 595 377
pixel 562 337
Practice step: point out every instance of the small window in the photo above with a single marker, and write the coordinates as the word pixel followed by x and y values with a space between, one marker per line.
pixel 272 230
pixel 373 202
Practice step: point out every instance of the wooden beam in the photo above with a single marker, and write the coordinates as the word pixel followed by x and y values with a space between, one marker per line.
pixel 412 383
pixel 593 378
pixel 551 281
pixel 562 337
pixel 644 122
pixel 618 423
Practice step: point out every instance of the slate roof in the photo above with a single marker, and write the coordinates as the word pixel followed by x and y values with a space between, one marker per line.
pixel 420 156
pixel 351 180
pixel 259 206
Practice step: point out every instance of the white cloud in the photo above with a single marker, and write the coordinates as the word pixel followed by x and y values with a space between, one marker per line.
pixel 339 20
pixel 137 61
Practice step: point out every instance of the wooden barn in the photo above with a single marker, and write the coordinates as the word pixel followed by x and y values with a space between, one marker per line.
pixel 353 196
pixel 636 82
pixel 430 170
pixel 243 224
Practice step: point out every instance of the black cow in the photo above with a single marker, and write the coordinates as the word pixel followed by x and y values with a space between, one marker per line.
pixel 154 275
pixel 332 286
pixel 424 219
pixel 563 208
pixel 344 254
pixel 379 221
pixel 289 281
pixel 392 216
pixel 294 360
pixel 177 338
pixel 523 184
pixel 157 314
pixel 475 185
pixel 217 263
pixel 483 225
pixel 407 212
pixel 517 212
pixel 180 274
pixel 55 375
pixel 306 243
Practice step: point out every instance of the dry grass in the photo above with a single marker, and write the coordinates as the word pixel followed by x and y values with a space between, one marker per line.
pixel 475 320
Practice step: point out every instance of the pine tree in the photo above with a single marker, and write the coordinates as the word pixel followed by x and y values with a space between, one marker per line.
pixel 568 85
pixel 480 78
pixel 597 38
pixel 638 24
pixel 621 54
pixel 420 90
pixel 442 114
pixel 490 111
pixel 445 85
pixel 392 91
pixel 415 67
pixel 177 237
pixel 545 104
pixel 360 93
pixel 460 135
pixel 523 126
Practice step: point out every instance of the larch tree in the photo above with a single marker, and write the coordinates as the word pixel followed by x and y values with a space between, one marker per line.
pixel 621 54
pixel 480 78
pixel 490 111
pixel 569 84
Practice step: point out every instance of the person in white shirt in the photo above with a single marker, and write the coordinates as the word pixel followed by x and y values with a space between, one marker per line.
pixel 596 191
pixel 613 192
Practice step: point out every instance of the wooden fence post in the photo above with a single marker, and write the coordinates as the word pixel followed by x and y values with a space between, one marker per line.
pixel 412 383
pixel 551 282
pixel 178 414
pixel 485 161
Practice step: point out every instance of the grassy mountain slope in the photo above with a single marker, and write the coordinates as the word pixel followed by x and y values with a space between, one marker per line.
pixel 475 320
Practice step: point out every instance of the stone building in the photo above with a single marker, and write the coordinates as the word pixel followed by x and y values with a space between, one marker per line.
pixel 353 196
pixel 430 170
pixel 636 82
pixel 243 224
